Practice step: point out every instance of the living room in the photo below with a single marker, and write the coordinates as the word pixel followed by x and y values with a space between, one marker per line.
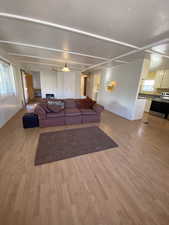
pixel 78 145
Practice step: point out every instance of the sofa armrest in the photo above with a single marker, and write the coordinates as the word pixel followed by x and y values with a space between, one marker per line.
pixel 98 108
pixel 40 112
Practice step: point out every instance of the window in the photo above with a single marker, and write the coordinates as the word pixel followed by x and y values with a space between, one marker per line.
pixel 148 85
pixel 7 83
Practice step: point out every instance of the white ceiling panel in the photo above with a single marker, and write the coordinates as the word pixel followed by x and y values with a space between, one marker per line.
pixel 40 66
pixel 158 62
pixel 163 49
pixel 26 32
pixel 138 23
pixel 131 21
pixel 54 56
pixel 19 50
pixel 44 61
pixel 135 56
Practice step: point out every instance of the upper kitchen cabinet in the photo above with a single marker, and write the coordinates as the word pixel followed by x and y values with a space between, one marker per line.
pixel 145 69
pixel 162 79
pixel 158 79
pixel 165 80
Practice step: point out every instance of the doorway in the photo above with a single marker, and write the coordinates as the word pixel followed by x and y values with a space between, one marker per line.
pixel 36 85
pixel 84 79
pixel 31 86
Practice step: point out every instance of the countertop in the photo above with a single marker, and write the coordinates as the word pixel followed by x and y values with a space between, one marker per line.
pixel 160 100
pixel 155 97
pixel 149 95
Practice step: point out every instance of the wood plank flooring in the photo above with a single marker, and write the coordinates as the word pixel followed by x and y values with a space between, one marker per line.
pixel 128 185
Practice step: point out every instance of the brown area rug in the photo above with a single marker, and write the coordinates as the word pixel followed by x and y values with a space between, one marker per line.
pixel 59 145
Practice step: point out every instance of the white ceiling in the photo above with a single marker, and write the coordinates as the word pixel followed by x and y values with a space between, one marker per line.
pixel 137 23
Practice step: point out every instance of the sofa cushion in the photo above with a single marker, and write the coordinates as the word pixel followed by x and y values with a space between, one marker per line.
pixel 54 108
pixel 70 103
pixel 87 112
pixel 72 112
pixel 82 104
pixel 54 115
pixel 45 107
pixel 77 101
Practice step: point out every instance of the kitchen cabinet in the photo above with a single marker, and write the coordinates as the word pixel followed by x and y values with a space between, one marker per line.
pixel 148 104
pixel 162 79
pixel 158 79
pixel 139 109
pixel 165 80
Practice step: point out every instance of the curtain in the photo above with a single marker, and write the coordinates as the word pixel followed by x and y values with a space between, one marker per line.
pixel 7 83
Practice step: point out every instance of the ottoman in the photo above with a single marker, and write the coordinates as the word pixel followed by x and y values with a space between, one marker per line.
pixel 30 120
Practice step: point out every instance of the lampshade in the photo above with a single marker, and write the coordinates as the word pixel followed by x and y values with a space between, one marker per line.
pixel 111 86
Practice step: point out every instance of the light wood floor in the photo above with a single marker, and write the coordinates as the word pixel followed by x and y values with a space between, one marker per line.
pixel 128 185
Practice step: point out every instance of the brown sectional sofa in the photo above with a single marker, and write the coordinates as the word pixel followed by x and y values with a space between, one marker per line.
pixel 75 111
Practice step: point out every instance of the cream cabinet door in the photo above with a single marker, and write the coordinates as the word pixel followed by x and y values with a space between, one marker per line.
pixel 158 79
pixel 148 104
pixel 165 80
pixel 69 84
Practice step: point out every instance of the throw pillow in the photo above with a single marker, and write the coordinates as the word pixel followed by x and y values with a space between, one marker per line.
pixel 57 102
pixel 83 104
pixel 90 102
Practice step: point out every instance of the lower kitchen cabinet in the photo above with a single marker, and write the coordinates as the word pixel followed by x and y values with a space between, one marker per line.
pixel 148 104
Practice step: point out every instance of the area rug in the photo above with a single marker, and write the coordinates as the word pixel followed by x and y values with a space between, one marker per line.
pixel 59 145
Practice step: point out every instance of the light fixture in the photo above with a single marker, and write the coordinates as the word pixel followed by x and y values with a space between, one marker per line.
pixel 65 68
pixel 111 86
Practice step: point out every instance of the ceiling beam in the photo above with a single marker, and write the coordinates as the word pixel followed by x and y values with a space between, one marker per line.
pixel 49 59
pixel 66 28
pixel 39 63
pixel 145 48
pixel 113 59
pixel 46 64
pixel 51 49
pixel 120 61
pixel 4 60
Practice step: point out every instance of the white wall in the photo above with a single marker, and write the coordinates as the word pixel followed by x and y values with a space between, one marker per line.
pixel 36 79
pixel 122 100
pixel 48 82
pixel 90 86
pixel 61 84
pixel 11 104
